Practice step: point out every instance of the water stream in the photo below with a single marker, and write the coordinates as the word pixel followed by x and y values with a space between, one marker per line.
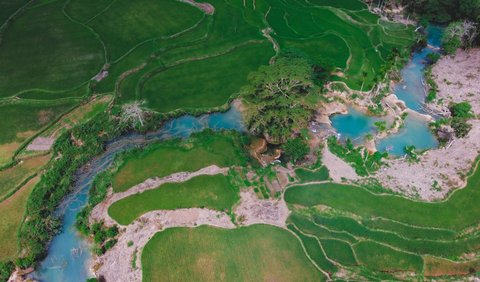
pixel 411 90
pixel 69 253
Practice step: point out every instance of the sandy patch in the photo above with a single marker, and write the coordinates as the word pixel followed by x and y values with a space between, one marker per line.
pixel 41 144
pixel 458 80
pixel 100 212
pixel 337 167
pixel 437 172
pixel 252 210
pixel 116 264
pixel 207 8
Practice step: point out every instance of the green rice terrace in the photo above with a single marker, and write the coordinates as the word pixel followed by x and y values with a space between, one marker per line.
pixel 239 140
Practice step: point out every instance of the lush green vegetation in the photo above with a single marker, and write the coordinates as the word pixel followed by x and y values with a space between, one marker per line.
pixel 162 159
pixel 366 204
pixel 383 258
pixel 207 254
pixel 387 233
pixel 295 149
pixel 306 175
pixel 444 11
pixel 361 160
pixel 213 192
pixel 278 100
pixel 41 223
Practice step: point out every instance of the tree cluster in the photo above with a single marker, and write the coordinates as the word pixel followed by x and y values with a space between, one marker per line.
pixel 278 98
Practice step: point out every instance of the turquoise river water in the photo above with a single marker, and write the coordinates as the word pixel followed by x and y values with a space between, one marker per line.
pixel 69 253
pixel 411 90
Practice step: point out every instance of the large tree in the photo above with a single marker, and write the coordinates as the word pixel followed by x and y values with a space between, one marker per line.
pixel 277 98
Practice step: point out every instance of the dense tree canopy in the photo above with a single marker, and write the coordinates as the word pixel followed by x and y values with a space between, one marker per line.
pixel 444 11
pixel 277 98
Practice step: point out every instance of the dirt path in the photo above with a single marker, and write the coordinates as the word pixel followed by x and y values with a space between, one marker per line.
pixel 207 8
pixel 100 212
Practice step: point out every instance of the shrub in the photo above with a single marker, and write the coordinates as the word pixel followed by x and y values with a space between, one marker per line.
pixel 6 268
pixel 461 110
pixel 461 127
pixel 296 149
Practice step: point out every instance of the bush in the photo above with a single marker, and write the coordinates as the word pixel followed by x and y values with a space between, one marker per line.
pixel 461 127
pixel 6 268
pixel 461 110
pixel 296 149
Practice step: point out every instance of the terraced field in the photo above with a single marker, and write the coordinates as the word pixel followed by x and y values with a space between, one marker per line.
pixel 212 192
pixel 211 254
pixel 53 51
pixel 162 159
pixel 388 235
pixel 175 58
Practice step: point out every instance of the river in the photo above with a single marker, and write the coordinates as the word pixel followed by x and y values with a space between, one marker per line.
pixel 69 253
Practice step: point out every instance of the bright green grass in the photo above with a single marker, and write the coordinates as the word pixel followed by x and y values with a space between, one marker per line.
pixel 349 5
pixel 342 32
pixel 437 248
pixel 165 158
pixel 407 231
pixel 314 250
pixel 205 83
pixel 24 117
pixel 459 211
pixel 44 49
pixel 254 253
pixel 128 23
pixel 339 251
pixel 309 227
pixel 212 192
pixel 320 174
pixel 378 257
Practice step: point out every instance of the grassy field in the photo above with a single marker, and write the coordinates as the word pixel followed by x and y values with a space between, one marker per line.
pixel 383 258
pixel 306 175
pixel 363 203
pixel 44 49
pixel 212 254
pixel 12 211
pixel 212 192
pixel 21 121
pixel 217 78
pixel 12 177
pixel 165 158
pixel 390 234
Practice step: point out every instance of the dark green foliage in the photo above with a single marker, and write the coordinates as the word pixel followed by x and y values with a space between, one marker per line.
pixel 461 127
pixel 444 11
pixel 295 149
pixel 40 225
pixel 276 98
pixel 461 110
pixel 410 152
pixel 92 280
pixel 6 268
pixel 433 58
pixel 361 160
